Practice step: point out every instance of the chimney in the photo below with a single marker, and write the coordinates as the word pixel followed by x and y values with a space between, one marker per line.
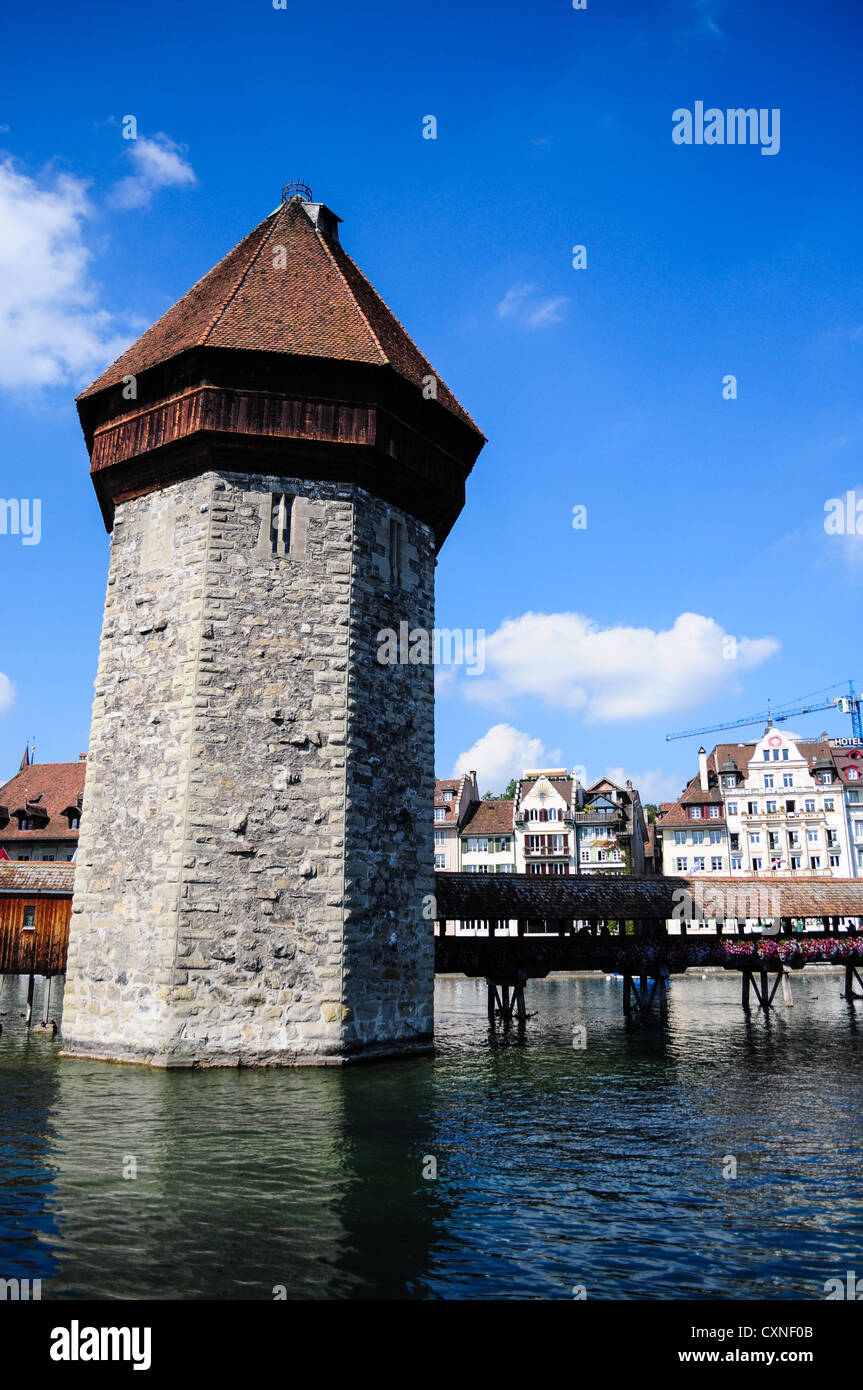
pixel 702 768
pixel 82 757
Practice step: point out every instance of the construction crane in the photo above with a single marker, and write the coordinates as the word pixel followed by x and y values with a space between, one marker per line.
pixel 846 704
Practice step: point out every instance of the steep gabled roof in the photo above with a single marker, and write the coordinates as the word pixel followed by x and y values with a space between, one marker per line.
pixel 58 787
pixel 489 818
pixel 451 803
pixel 286 287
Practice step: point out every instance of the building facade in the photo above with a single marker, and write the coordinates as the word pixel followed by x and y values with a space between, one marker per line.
pixel 543 822
pixel 487 839
pixel 40 811
pixel 611 832
pixel 453 799
pixel 553 825
pixel 773 806
pixel 848 756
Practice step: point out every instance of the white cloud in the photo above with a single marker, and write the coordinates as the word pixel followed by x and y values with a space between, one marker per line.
pixel 158 163
pixel 7 693
pixel 51 326
pixel 568 662
pixel 444 681
pixel 526 305
pixel 504 753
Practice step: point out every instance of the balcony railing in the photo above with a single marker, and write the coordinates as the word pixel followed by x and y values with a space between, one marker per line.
pixel 603 816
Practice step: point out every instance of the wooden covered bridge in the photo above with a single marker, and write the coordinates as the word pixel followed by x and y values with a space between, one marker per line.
pixel 509 928
pixel 35 911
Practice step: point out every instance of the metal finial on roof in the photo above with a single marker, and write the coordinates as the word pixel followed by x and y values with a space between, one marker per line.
pixel 291 190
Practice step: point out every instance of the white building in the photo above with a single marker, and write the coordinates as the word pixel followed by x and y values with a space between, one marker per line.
pixel 775 806
pixel 848 756
pixel 487 840
pixel 543 824
pixel 453 799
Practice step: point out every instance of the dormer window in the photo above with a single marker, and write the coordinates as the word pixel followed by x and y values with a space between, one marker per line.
pixel 25 823
pixel 75 821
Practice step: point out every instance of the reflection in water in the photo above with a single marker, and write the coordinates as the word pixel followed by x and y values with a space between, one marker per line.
pixel 556 1165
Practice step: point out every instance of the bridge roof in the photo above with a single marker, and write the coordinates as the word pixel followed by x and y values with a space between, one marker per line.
pixel 36 879
pixel 484 896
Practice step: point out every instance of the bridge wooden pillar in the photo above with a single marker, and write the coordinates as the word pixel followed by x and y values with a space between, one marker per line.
pixel 505 999
pixel 763 993
pixel 643 993
pixel 850 976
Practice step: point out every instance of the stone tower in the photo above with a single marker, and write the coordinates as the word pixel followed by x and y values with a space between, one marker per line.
pixel 278 465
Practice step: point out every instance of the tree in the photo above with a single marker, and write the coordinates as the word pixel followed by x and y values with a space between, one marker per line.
pixel 508 795
pixel 652 812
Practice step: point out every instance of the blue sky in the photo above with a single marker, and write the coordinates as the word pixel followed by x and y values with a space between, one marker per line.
pixel 600 387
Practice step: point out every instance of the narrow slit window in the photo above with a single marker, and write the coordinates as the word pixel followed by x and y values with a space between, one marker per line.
pixel 396 546
pixel 280 528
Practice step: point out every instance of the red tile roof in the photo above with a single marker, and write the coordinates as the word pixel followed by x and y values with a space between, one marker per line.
pixel 57 786
pixel 310 300
pixel 489 818
pixel 452 803
pixel 741 753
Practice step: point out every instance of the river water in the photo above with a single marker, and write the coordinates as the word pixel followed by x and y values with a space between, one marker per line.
pixel 605 1167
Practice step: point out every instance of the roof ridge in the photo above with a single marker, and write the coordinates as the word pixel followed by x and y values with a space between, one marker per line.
pixel 241 279
pixel 354 301
pixel 397 321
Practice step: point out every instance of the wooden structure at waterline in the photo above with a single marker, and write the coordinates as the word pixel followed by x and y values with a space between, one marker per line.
pixel 35 910
pixel 761 927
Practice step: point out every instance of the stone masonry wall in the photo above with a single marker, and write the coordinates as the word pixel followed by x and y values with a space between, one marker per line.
pixel 255 843
pixel 389 928
pixel 125 910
